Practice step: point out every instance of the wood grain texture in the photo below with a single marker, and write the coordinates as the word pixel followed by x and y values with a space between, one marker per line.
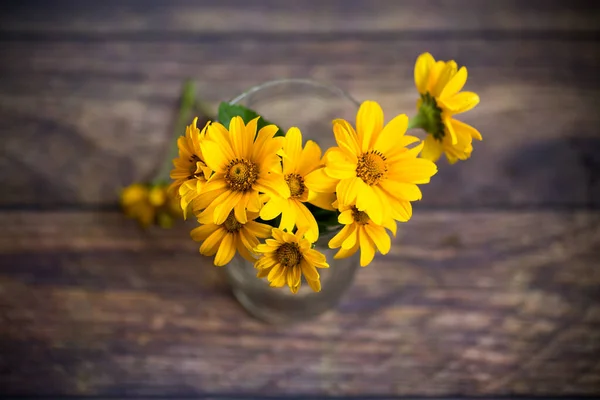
pixel 492 303
pixel 315 16
pixel 94 116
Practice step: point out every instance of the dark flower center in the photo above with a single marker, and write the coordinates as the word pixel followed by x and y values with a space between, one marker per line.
pixel 231 224
pixel 360 217
pixel 296 185
pixel 371 167
pixel 289 255
pixel 241 175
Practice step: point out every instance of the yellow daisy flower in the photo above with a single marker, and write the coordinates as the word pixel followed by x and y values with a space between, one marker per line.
pixel 150 204
pixel 297 163
pixel 440 84
pixel 286 258
pixel 223 240
pixel 242 167
pixel 190 172
pixel 360 231
pixel 372 168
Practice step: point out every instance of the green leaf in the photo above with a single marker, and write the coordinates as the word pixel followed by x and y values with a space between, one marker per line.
pixel 228 111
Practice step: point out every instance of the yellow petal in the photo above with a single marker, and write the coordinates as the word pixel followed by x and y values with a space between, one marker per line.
pixel 369 122
pixel 367 249
pixel 239 209
pixel 422 67
pixel 226 251
pixel 461 127
pixel 445 75
pixel 319 181
pixel 294 276
pixel 460 102
pixel 305 220
pixel 347 190
pixel 434 74
pixel 352 238
pixel 309 159
pixel 368 201
pixel 344 253
pixel 315 285
pixel 309 271
pixel 432 150
pixel 346 217
pixel 211 244
pixel 259 230
pixel 202 232
pixel 293 149
pixel 390 225
pixel 379 237
pixel 241 248
pixel 218 134
pixel 222 210
pixel 342 235
pixel 402 190
pixel 449 129
pixel 322 200
pixel 273 184
pixel 288 215
pixel 346 137
pixel 214 157
pixel 265 135
pixel 455 84
pixel 338 166
pixel 412 170
pixel 237 135
pixel 391 134
pixel 276 272
pixel 271 209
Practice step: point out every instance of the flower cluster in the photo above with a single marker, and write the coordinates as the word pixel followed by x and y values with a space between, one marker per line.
pixel 260 194
pixel 150 204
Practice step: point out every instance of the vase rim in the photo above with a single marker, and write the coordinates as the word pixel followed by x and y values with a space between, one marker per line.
pixel 304 81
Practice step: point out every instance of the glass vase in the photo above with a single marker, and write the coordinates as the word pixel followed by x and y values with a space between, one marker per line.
pixel 310 106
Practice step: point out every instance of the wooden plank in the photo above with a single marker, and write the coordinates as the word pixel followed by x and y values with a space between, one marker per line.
pixel 82 119
pixel 480 303
pixel 167 16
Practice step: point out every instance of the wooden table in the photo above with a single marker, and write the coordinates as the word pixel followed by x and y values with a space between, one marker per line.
pixel 491 289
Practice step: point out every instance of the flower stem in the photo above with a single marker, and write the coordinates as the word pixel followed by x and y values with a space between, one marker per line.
pixel 418 121
pixel 186 106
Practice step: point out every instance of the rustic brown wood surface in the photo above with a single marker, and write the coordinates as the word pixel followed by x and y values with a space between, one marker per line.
pixel 492 288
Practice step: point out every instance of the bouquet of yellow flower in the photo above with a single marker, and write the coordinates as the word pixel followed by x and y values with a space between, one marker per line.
pixel 268 195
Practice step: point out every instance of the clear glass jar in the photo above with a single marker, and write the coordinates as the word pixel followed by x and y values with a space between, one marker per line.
pixel 310 106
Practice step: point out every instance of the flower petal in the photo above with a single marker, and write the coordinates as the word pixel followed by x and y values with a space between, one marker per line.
pixel 369 122
pixel 319 181
pixel 226 251
pixel 305 220
pixel 460 102
pixel 402 190
pixel 347 190
pixel 367 249
pixel 202 232
pixel 211 244
pixel 346 217
pixel 455 84
pixel 273 184
pixel 461 127
pixel 432 150
pixel 271 209
pixel 422 67
pixel 352 238
pixel 342 235
pixel 292 146
pixel 346 137
pixel 412 170
pixel 259 230
pixel 309 159
pixel 214 156
pixel 222 210
pixel 379 237
pixel 238 137
pixel 322 200
pixel 445 75
pixel 391 134
pixel 450 129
